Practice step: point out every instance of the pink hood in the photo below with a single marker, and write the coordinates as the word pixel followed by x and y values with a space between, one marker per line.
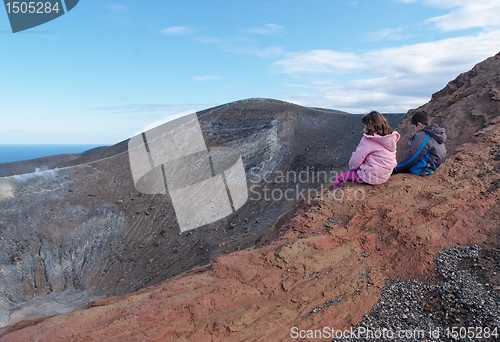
pixel 375 157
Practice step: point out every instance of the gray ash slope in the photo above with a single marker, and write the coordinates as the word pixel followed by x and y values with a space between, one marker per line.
pixel 80 230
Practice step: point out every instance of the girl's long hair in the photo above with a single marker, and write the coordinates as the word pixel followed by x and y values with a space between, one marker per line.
pixel 376 123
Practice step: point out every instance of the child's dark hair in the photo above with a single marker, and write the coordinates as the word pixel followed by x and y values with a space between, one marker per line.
pixel 421 117
pixel 376 123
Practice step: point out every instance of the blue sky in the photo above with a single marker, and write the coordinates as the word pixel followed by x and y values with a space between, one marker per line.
pixel 106 69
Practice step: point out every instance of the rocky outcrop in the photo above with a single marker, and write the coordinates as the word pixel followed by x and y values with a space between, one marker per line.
pixel 466 105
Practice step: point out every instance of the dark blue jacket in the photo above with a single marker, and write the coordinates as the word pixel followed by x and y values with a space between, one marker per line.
pixel 426 152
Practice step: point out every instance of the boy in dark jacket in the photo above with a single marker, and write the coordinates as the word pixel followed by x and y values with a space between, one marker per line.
pixel 426 147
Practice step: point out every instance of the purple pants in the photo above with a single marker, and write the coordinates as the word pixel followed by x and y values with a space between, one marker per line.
pixel 347 176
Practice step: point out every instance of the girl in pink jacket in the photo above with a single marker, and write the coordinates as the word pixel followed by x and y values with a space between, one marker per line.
pixel 375 156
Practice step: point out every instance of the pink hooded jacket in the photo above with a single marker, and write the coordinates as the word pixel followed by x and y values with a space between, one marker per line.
pixel 375 157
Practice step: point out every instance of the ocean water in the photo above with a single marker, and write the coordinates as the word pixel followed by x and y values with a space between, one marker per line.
pixel 10 153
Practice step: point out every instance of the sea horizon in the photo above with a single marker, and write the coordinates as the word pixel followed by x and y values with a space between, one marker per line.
pixel 19 152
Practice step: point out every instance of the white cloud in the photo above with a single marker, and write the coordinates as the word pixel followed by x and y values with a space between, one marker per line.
pixel 177 30
pixel 387 34
pixel 448 3
pixel 267 29
pixel 268 52
pixel 318 61
pixel 442 56
pixel 464 14
pixel 241 47
pixel 203 78
pixel 389 79
pixel 467 14
pixel 356 101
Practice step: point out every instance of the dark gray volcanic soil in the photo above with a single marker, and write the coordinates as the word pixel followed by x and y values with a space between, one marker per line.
pixel 80 230
pixel 462 304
